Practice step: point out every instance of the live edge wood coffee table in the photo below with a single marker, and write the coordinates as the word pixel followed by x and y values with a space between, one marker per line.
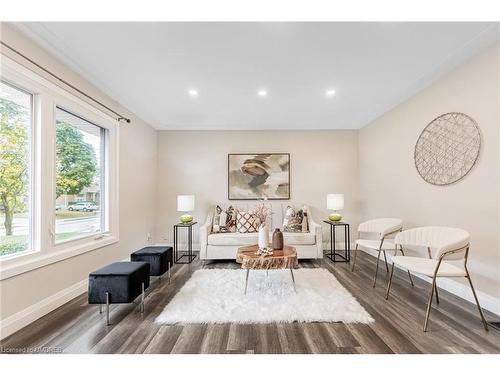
pixel 279 259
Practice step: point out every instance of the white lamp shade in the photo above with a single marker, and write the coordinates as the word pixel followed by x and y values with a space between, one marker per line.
pixel 185 203
pixel 335 201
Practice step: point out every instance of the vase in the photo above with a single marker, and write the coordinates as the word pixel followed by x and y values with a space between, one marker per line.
pixel 186 219
pixel 277 240
pixel 335 217
pixel 263 236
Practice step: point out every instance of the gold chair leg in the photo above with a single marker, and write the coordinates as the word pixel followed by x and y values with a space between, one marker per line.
pixel 436 291
pixel 386 265
pixel 409 274
pixel 376 270
pixel 429 304
pixel 485 324
pixel 355 255
pixel 411 279
pixel 246 280
pixel 293 280
pixel 390 282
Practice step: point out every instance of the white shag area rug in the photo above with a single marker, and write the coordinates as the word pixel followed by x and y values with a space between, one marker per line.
pixel 217 296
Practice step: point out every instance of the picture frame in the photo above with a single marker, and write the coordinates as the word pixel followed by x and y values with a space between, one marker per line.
pixel 253 176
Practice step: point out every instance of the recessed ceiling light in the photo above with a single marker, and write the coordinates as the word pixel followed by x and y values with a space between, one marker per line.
pixel 329 93
pixel 262 93
pixel 193 93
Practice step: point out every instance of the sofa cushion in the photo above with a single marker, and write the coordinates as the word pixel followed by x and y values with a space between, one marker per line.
pixel 295 220
pixel 246 222
pixel 299 238
pixel 224 220
pixel 233 239
pixel 243 239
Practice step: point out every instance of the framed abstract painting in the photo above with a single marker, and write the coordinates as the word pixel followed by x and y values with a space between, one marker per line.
pixel 258 176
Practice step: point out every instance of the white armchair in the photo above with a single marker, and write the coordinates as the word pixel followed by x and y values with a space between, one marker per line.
pixel 383 228
pixel 449 244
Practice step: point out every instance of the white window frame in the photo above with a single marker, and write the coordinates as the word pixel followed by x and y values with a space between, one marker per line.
pixel 46 97
pixel 70 107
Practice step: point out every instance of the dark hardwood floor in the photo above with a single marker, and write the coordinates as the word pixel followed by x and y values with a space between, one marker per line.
pixel 454 326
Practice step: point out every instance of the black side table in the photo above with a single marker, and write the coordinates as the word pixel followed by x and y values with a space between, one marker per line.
pixel 334 254
pixel 189 253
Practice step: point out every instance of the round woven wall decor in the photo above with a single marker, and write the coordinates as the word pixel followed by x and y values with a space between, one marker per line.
pixel 447 149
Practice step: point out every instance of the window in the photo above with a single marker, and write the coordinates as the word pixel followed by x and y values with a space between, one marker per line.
pixel 80 177
pixel 16 114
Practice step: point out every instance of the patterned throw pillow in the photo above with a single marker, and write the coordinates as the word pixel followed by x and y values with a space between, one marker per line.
pixel 295 220
pixel 246 222
pixel 224 221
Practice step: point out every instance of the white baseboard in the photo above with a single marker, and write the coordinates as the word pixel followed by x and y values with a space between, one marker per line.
pixel 21 319
pixel 487 301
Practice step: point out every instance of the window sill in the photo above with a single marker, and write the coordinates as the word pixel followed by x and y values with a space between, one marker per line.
pixel 28 262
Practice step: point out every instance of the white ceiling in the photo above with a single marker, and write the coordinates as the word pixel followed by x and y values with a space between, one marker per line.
pixel 149 68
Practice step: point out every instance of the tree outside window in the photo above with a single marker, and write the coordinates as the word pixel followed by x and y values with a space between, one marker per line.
pixel 78 177
pixel 15 132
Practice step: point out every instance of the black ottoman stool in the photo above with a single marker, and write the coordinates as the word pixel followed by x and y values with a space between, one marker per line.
pixel 160 259
pixel 120 282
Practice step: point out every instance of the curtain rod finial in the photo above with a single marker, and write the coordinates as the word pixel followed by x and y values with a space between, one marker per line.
pixel 127 120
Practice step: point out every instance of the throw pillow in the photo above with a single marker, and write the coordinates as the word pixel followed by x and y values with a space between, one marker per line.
pixel 246 222
pixel 295 220
pixel 224 221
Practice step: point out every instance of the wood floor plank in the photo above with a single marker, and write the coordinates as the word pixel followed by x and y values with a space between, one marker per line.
pixel 340 335
pixel 190 339
pixel 138 341
pixel 354 350
pixel 370 342
pixel 291 338
pixel 242 339
pixel 164 340
pixel 215 340
pixel 318 339
pixel 268 342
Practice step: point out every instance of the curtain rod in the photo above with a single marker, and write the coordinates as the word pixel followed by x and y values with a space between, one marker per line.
pixel 120 117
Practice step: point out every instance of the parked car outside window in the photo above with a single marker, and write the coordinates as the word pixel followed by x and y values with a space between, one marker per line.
pixel 83 206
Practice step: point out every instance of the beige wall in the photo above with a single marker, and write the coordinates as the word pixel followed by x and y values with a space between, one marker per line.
pixel 195 162
pixel 391 186
pixel 137 179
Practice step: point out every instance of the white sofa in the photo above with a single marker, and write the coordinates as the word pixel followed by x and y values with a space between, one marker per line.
pixel 225 245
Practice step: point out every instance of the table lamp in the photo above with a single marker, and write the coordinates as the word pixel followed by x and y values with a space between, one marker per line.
pixel 335 202
pixel 185 203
